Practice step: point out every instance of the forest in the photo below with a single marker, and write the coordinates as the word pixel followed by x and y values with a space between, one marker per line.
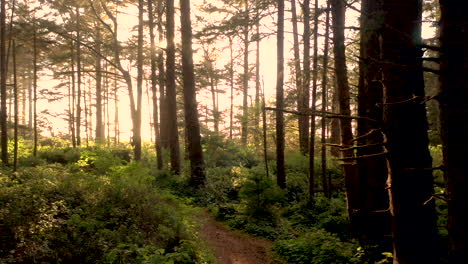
pixel 233 131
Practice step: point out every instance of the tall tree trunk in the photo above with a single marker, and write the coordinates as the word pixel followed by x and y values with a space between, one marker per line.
pixel 341 74
pixel 257 81
pixel 87 113
pixel 264 128
pixel 73 92
pixel 162 80
pixel 116 112
pixel 335 122
pixel 23 98
pixel 99 123
pixel 303 141
pixel 78 76
pixel 314 108
pixel 16 107
pixel 231 82
pixel 453 109
pixel 35 55
pixel 280 169
pixel 325 185
pixel 173 133
pixel 137 110
pixel 154 82
pixel 245 78
pixel 30 98
pixel 371 228
pixel 305 93
pixel 197 164
pixel 405 127
pixel 3 86
pixel 215 106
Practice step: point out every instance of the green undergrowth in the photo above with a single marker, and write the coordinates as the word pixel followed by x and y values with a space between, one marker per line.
pixel 245 198
pixel 92 206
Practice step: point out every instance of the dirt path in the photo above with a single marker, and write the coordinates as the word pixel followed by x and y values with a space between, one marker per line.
pixel 231 247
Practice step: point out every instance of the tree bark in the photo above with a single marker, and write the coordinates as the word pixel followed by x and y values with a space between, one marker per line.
pixel 78 77
pixel 16 109
pixel 197 164
pixel 137 109
pixel 314 108
pixel 162 80
pixel 173 133
pixel 245 78
pixel 370 227
pixel 99 123
pixel 257 81
pixel 305 93
pixel 453 109
pixel 231 82
pixel 280 169
pixel 154 82
pixel 35 55
pixel 325 185
pixel 303 141
pixel 405 127
pixel 3 86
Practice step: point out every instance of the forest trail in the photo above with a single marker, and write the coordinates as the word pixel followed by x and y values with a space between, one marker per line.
pixel 233 247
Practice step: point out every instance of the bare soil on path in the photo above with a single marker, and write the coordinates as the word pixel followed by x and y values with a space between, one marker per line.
pixel 233 247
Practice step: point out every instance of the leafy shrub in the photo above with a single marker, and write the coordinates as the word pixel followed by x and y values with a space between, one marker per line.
pixel 316 247
pixel 59 155
pixel 99 160
pixel 220 152
pixel 50 215
pixel 260 194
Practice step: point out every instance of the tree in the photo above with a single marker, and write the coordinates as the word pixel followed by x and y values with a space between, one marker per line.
pixel 137 110
pixel 405 127
pixel 16 105
pixel 246 74
pixel 173 134
pixel 100 135
pixel 325 185
pixel 305 92
pixel 372 228
pixel 154 82
pixel 280 169
pixel 314 107
pixel 3 88
pixel 453 110
pixel 192 125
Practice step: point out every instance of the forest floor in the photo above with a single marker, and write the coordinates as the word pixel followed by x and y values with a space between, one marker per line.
pixel 233 247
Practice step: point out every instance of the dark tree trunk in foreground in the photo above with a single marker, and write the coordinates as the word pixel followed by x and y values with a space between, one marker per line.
pixel 192 125
pixel 373 220
pixel 154 81
pixel 173 133
pixel 454 125
pixel 405 126
pixel 341 74
pixel 280 169
pixel 3 88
